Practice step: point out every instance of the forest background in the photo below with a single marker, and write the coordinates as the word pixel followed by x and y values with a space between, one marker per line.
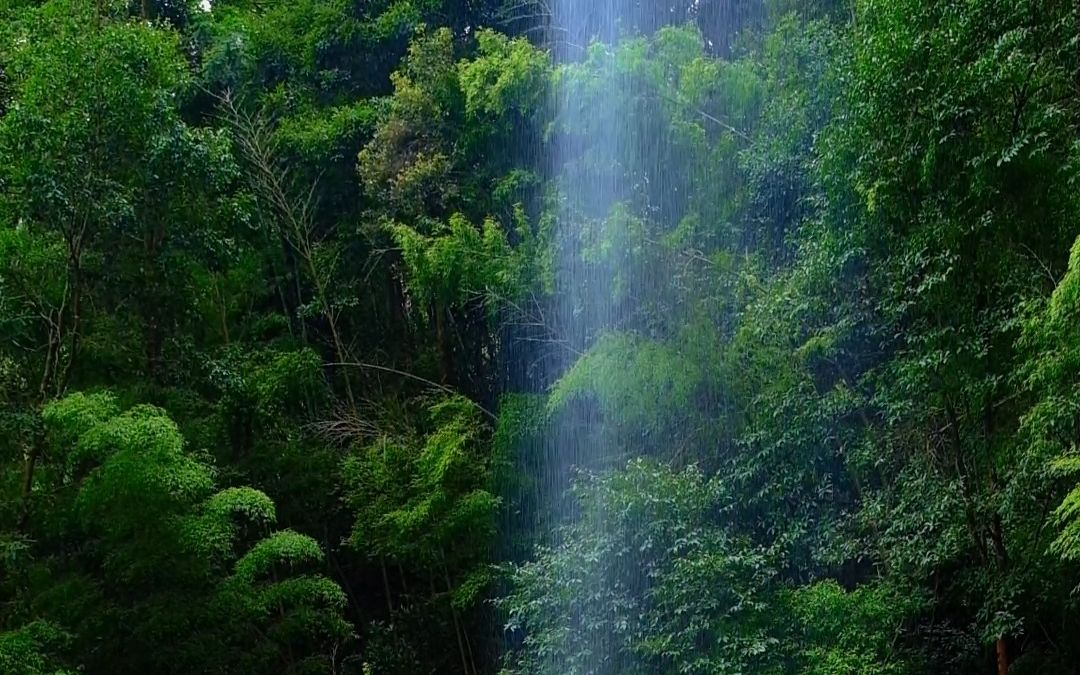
pixel 284 339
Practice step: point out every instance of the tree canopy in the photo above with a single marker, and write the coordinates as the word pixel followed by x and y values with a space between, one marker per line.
pixel 419 336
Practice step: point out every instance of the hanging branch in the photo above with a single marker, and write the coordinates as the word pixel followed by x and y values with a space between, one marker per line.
pixel 402 373
pixel 294 216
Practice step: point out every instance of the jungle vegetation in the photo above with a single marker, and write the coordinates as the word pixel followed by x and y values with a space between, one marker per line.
pixel 280 353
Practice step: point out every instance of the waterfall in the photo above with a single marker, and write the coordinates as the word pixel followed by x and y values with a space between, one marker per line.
pixel 599 182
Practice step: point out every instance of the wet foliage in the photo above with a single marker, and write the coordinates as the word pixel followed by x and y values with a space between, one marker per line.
pixel 539 338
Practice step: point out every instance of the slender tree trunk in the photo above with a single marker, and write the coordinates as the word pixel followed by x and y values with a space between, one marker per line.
pixel 30 459
pixel 281 281
pixel 331 320
pixel 342 355
pixel 291 659
pixel 469 649
pixel 52 353
pixel 223 313
pixel 386 587
pixel 1000 555
pixel 459 631
pixel 338 571
pixel 445 361
pixel 75 333
pixel 461 645
pixel 404 583
pixel 298 290
pixel 54 380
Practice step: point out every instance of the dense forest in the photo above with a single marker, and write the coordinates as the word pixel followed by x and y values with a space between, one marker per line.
pixel 316 355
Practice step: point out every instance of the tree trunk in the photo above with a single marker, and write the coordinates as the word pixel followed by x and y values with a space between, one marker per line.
pixel 459 630
pixel 29 463
pixel 223 310
pixel 445 360
pixel 74 333
pixel 386 589
pixel 54 380
pixel 1002 656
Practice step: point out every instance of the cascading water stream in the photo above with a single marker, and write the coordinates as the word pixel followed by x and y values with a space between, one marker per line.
pixel 594 156
pixel 620 177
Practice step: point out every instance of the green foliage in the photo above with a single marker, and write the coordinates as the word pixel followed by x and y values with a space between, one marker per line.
pixel 506 75
pixel 810 259
pixel 24 651
pixel 437 162
pixel 104 171
pixel 32 278
pixel 408 160
pixel 855 631
pixel 163 531
pixel 216 529
pixel 272 383
pixel 705 607
pixel 72 418
pixel 1050 429
pixel 637 382
pixel 865 260
pixel 460 263
pixel 422 501
pixel 1067 514
pixel 286 549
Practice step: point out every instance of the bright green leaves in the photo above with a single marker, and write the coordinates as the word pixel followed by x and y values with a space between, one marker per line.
pixel 151 507
pixel 652 197
pixel 408 161
pixel 650 396
pixel 447 132
pixel 25 651
pixel 144 477
pixel 1050 425
pixel 424 504
pixel 1067 514
pixel 101 168
pixel 719 597
pixel 704 608
pixel 95 122
pixel 618 246
pixel 857 631
pixel 281 379
pixel 285 550
pixel 322 135
pixel 137 485
pixel 452 170
pixel 222 518
pixel 867 214
pixel 422 501
pixel 380 479
pixel 506 76
pixel 638 383
pixel 272 384
pixel 276 585
pixel 813 249
pixel 712 603
pixel 247 503
pixel 937 192
pixel 72 419
pixel 460 263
